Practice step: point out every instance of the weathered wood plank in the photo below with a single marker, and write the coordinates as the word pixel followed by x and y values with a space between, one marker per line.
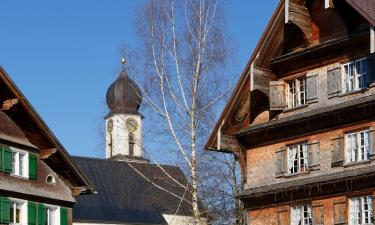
pixel 8 104
pixel 46 153
pixel 261 79
pixel 229 143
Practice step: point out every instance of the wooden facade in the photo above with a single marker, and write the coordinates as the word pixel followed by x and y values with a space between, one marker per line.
pixel 38 178
pixel 301 119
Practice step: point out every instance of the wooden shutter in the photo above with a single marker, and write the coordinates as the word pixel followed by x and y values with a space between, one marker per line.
pixel 277 95
pixel 283 216
pixel 339 211
pixel 281 162
pixel 318 215
pixel 314 154
pixel 7 160
pixel 312 87
pixel 370 69
pixel 372 143
pixel 41 214
pixel 63 216
pixel 4 210
pixel 334 81
pixel 31 213
pixel 33 167
pixel 337 153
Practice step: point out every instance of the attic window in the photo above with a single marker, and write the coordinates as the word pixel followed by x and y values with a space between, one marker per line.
pixel 51 179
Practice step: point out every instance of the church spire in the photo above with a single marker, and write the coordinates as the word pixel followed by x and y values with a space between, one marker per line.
pixel 124 122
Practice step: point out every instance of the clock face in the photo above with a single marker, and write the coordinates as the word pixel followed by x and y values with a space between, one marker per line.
pixel 131 124
pixel 110 126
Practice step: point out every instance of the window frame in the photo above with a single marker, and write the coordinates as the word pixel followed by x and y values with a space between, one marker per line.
pixel 23 211
pixel 300 149
pixel 56 215
pixel 361 212
pixel 304 210
pixel 355 86
pixel 16 163
pixel 361 151
pixel 299 97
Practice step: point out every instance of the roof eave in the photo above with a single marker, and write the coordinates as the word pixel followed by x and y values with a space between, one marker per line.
pixel 242 81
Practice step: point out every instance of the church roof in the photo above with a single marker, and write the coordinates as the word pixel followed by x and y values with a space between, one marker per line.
pixel 124 95
pixel 125 197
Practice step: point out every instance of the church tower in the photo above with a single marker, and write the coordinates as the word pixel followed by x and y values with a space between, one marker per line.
pixel 124 122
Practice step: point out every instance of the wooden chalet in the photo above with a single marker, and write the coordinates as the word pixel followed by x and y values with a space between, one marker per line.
pixel 301 120
pixel 38 178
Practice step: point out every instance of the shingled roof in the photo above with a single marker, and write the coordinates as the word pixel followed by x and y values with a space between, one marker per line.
pixel 366 8
pixel 125 197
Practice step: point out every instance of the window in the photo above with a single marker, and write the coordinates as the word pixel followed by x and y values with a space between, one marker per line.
pixel 357 145
pixel 361 210
pixel 301 215
pixel 355 75
pixel 297 92
pixel 131 144
pixel 19 163
pixel 297 158
pixel 51 214
pixel 17 212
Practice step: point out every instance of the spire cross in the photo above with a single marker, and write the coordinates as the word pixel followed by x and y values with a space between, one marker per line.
pixel 123 62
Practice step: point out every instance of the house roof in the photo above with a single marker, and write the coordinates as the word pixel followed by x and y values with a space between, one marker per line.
pixel 124 196
pixel 23 125
pixel 364 7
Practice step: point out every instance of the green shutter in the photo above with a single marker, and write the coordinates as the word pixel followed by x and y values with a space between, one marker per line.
pixel 41 214
pixel 31 213
pixel 32 167
pixel 4 210
pixel 7 160
pixel 63 216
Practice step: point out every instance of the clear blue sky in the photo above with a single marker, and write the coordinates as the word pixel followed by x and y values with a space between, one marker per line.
pixel 63 55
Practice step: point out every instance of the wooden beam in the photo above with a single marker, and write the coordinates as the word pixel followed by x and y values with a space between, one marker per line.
pixel 372 39
pixel 261 79
pixel 287 11
pixel 76 191
pixel 8 104
pixel 46 153
pixel 229 143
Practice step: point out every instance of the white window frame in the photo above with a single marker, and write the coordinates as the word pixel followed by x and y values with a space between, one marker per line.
pixel 297 97
pixel 56 215
pixel 16 163
pixel 357 146
pixel 299 164
pixel 353 83
pixel 360 210
pixel 301 215
pixel 23 212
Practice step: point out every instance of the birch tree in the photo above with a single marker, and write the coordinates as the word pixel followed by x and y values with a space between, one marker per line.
pixel 183 55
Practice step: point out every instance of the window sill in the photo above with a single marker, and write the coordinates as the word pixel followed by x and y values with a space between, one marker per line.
pixel 353 92
pixel 295 108
pixel 356 163
pixel 18 176
pixel 296 174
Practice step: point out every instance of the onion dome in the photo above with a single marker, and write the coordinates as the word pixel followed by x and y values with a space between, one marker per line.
pixel 124 96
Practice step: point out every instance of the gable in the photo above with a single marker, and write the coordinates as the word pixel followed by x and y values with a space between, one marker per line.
pixel 23 127
pixel 296 27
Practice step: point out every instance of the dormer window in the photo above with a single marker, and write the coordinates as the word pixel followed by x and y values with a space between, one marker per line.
pixel 354 75
pixel 296 92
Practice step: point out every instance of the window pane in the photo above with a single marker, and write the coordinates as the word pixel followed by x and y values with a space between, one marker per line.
pixel 302 90
pixel 22 164
pixel 361 70
pixel 14 162
pixel 12 219
pixel 292 94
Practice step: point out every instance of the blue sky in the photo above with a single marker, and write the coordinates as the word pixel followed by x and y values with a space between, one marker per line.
pixel 63 55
